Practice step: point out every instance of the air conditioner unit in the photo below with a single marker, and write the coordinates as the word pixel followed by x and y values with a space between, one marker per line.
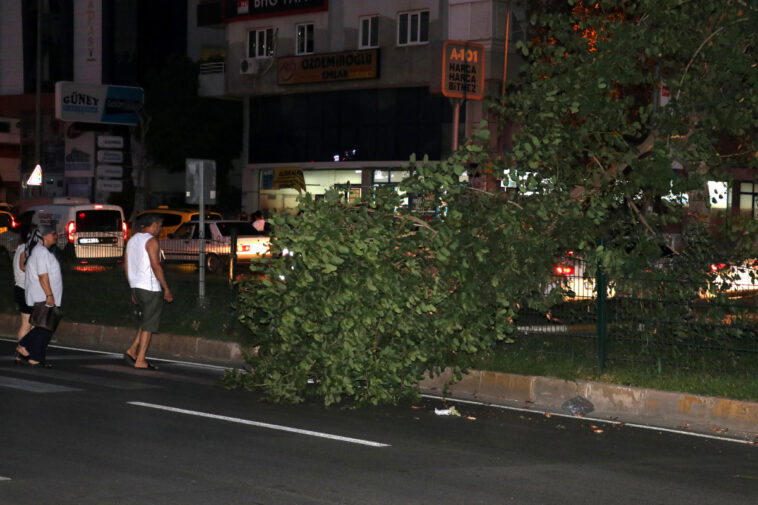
pixel 250 66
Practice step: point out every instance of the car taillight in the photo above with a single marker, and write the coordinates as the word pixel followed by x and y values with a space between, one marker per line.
pixel 70 230
pixel 14 224
pixel 564 269
pixel 715 267
pixel 126 230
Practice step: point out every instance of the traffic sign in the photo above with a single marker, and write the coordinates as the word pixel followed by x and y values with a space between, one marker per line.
pixel 36 178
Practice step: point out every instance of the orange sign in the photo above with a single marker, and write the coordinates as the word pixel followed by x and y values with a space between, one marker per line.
pixel 463 70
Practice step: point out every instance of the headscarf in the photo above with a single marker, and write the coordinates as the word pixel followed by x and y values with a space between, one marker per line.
pixel 35 237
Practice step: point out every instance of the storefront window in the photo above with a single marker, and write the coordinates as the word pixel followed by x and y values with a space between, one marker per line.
pixel 317 182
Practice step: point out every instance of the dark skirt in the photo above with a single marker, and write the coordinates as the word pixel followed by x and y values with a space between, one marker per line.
pixel 19 295
pixel 36 342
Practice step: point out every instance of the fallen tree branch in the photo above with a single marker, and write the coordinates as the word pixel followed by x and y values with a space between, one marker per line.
pixel 647 225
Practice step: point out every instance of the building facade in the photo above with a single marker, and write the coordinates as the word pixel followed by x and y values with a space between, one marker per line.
pixel 344 90
pixel 87 42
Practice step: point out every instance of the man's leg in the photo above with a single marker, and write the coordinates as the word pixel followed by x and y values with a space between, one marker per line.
pixel 144 342
pixel 133 350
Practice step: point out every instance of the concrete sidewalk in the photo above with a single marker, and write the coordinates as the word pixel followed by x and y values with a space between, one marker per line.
pixel 720 417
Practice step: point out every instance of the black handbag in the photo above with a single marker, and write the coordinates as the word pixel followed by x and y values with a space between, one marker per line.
pixel 45 316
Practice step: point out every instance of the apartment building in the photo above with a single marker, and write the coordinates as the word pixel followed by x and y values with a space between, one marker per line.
pixel 344 90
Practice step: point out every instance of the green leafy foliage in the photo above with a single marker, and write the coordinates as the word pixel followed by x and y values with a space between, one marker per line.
pixel 361 299
pixel 370 296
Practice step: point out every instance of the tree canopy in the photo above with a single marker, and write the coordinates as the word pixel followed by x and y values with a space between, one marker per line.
pixel 360 299
pixel 627 104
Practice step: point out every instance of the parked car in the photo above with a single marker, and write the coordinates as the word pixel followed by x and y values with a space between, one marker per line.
pixel 734 280
pixel 174 218
pixel 6 221
pixel 184 244
pixel 9 238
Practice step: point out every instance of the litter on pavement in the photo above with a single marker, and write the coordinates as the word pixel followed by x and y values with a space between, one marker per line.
pixel 447 412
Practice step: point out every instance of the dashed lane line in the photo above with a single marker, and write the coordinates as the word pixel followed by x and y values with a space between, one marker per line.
pixel 261 425
pixel 34 386
pixel 57 374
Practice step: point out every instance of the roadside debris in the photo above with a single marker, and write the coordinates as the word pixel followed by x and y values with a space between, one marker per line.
pixel 578 405
pixel 447 412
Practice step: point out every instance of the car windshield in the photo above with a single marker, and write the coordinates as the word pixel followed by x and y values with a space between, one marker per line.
pixel 98 220
pixel 242 227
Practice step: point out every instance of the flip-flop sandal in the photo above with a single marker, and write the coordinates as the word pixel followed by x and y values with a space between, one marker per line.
pixel 149 366
pixel 129 359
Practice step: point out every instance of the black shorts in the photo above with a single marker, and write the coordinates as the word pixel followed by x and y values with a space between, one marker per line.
pixel 19 296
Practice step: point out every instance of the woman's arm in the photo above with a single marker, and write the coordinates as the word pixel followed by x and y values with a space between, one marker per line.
pixel 44 281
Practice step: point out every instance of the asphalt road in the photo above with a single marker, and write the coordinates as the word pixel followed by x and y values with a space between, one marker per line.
pixel 92 430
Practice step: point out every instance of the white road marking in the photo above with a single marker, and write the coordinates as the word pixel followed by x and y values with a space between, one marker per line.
pixel 594 420
pixel 261 425
pixel 4 478
pixel 115 355
pixel 60 374
pixel 33 386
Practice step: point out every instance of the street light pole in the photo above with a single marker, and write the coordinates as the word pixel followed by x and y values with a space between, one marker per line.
pixel 38 91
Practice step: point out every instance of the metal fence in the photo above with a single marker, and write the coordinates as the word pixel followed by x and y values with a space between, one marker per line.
pixel 648 320
pixel 651 321
pixel 97 292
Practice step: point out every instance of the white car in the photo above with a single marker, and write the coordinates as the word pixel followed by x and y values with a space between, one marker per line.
pixel 734 279
pixel 184 244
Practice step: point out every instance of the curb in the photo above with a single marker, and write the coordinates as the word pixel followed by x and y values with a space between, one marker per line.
pixel 718 417
pixel 117 339
pixel 686 412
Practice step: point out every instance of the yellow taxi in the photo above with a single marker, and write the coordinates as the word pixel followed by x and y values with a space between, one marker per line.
pixel 174 218
pixel 6 221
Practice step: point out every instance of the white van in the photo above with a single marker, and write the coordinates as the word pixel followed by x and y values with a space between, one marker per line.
pixel 88 233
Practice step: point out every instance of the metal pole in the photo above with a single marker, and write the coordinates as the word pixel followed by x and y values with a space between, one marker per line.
pixel 201 236
pixel 602 315
pixel 456 119
pixel 505 56
pixel 38 92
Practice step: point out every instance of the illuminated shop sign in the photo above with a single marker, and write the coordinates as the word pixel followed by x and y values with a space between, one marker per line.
pixel 95 103
pixel 243 9
pixel 328 67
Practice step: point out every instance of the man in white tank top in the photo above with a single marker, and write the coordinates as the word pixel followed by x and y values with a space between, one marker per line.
pixel 148 284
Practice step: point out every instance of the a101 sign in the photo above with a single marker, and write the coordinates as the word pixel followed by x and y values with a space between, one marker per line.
pixel 463 70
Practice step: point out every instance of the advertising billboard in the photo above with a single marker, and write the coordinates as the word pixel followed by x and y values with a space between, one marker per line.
pixel 96 103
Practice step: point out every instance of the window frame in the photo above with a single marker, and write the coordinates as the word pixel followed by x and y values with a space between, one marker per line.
pixel 411 26
pixel 301 45
pixel 373 31
pixel 751 193
pixel 268 51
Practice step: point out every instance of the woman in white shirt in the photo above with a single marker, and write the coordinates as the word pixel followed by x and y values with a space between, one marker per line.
pixel 19 276
pixel 43 283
